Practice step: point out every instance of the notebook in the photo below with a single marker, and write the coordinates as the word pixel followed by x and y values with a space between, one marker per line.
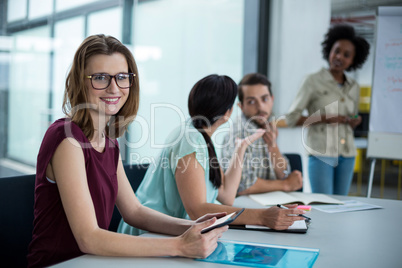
pixel 296 227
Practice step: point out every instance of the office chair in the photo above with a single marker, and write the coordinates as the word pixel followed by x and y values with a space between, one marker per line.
pixel 16 219
pixel 295 162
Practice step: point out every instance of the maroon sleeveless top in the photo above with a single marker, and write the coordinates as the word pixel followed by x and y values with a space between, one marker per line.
pixel 52 238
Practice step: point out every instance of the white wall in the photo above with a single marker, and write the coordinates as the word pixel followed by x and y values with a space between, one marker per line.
pixel 297 29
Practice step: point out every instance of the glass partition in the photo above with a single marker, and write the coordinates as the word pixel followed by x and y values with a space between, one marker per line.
pixel 28 93
pixel 68 35
pixel 108 22
pixel 62 5
pixel 176 43
pixel 39 8
pixel 16 10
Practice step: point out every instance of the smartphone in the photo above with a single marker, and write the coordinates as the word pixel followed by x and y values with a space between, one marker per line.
pixel 223 221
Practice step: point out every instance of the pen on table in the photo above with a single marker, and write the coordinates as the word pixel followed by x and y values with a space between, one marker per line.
pixel 301 215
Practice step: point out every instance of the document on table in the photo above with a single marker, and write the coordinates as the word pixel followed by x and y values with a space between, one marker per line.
pixel 350 205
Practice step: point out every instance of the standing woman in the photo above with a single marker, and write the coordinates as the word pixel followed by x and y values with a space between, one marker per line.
pixel 80 175
pixel 186 180
pixel 331 99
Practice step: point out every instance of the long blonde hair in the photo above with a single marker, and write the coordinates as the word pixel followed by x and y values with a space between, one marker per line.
pixel 75 94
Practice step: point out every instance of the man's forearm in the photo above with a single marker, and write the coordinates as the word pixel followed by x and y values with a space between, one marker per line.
pixel 263 186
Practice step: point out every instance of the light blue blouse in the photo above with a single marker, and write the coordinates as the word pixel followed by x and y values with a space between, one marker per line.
pixel 158 189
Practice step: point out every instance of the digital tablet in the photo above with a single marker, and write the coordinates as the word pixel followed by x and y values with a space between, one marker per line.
pixel 223 221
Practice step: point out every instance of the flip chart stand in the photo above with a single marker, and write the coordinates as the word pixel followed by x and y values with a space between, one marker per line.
pixel 371 177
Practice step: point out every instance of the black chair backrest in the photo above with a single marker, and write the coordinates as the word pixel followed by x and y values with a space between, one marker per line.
pixel 295 161
pixel 135 174
pixel 16 219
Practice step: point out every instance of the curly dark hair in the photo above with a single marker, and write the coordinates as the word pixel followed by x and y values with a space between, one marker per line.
pixel 346 32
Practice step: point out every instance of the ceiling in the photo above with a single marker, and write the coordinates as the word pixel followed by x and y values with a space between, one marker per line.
pixel 348 6
pixel 361 14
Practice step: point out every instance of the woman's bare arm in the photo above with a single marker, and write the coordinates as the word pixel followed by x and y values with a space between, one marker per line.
pixel 191 185
pixel 69 170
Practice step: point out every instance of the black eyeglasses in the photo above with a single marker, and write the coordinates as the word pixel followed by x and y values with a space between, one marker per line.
pixel 102 81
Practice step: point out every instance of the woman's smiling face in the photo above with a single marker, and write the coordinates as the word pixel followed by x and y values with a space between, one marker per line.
pixel 110 100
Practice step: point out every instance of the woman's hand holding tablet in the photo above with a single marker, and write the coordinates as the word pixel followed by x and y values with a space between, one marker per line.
pixel 222 221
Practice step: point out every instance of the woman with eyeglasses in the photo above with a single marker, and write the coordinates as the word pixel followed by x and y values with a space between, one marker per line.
pixel 80 176
pixel 187 180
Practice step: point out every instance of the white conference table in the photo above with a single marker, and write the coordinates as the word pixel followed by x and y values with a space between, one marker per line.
pixel 369 238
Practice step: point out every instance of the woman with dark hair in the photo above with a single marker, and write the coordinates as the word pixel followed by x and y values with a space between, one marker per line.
pixel 331 99
pixel 187 180
pixel 80 175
